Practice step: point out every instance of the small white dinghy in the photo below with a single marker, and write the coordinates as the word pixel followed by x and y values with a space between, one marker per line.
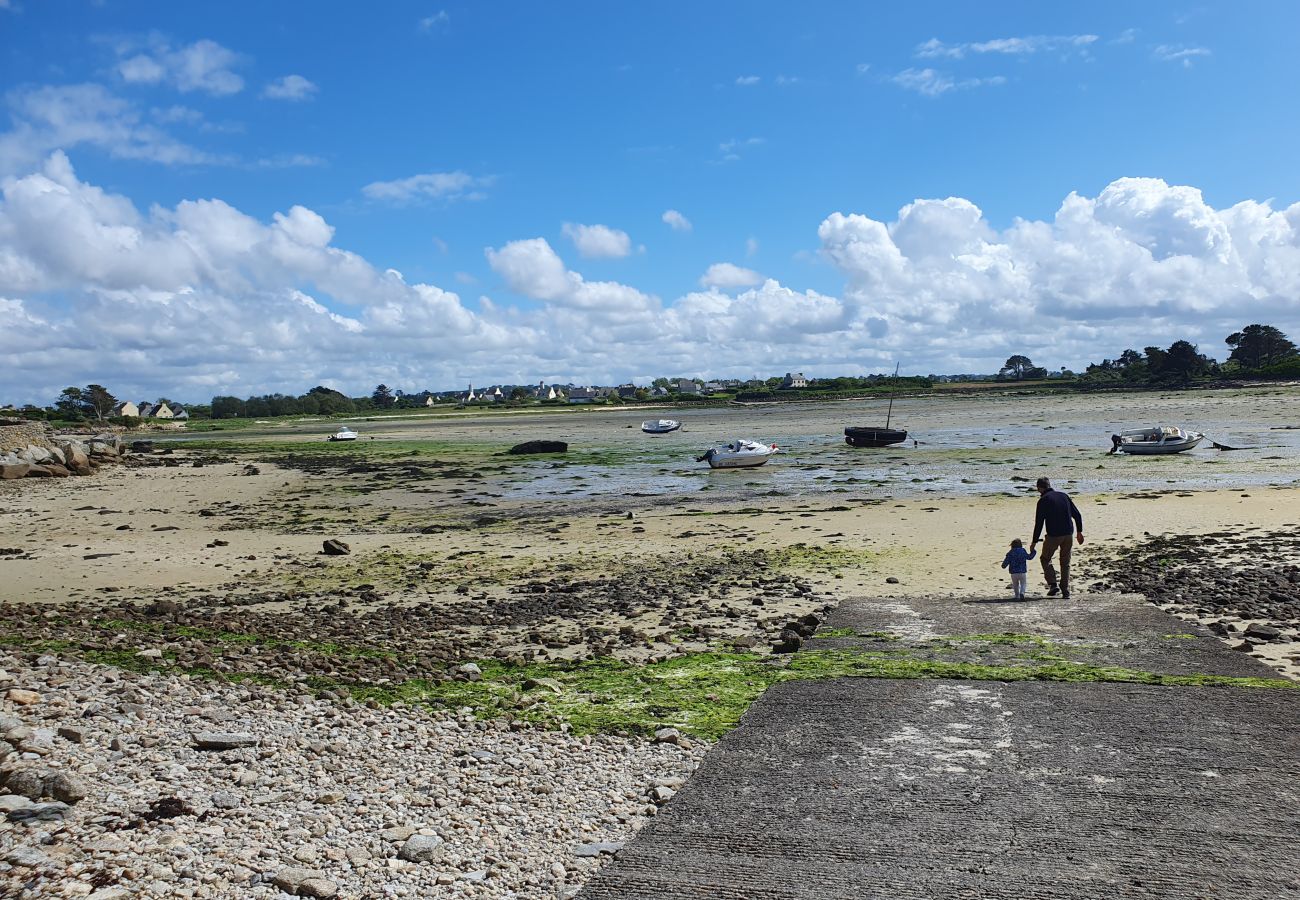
pixel 1159 441
pixel 738 454
pixel 660 426
pixel 344 434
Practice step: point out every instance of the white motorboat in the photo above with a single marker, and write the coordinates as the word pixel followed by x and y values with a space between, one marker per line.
pixel 660 426
pixel 1162 440
pixel 344 434
pixel 738 454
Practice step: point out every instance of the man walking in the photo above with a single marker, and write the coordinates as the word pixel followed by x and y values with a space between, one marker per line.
pixel 1056 511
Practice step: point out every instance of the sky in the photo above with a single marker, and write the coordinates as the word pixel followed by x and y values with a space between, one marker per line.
pixel 241 198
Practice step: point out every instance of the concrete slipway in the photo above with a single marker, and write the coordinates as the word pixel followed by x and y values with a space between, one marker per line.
pixel 1016 789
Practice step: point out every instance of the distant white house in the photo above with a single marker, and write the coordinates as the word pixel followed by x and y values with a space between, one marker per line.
pixel 794 381
pixel 126 409
pixel 542 392
pixel 687 386
pixel 163 411
pixel 470 396
pixel 582 395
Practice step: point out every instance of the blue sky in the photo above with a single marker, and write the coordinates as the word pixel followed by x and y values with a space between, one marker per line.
pixel 489 152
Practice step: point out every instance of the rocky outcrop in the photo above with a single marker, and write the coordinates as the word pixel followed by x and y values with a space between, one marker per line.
pixel 28 450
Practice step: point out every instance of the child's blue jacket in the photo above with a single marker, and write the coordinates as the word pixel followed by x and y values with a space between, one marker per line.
pixel 1016 559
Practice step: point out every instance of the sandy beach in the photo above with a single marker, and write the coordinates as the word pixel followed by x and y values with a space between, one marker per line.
pixel 515 599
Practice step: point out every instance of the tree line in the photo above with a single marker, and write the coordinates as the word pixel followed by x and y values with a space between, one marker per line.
pixel 1257 351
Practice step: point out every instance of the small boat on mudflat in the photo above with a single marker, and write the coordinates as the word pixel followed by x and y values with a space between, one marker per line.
pixel 1159 441
pixel 866 436
pixel 660 426
pixel 739 454
pixel 344 434
pixel 873 437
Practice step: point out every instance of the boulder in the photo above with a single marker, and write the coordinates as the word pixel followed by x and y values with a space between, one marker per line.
pixel 539 447
pixel 222 740
pixel 335 547
pixel 11 471
pixel 421 848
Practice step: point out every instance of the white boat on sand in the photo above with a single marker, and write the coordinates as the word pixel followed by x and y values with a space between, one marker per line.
pixel 344 434
pixel 660 426
pixel 1158 441
pixel 738 454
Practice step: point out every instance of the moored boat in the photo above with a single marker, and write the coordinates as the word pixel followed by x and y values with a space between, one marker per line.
pixel 1159 441
pixel 738 454
pixel 867 436
pixel 873 437
pixel 344 434
pixel 660 426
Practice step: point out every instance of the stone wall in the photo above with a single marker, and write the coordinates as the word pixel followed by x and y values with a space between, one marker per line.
pixel 18 434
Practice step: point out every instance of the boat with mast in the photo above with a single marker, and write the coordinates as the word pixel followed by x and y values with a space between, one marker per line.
pixel 863 436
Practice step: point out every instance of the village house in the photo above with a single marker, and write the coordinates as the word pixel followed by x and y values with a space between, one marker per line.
pixel 582 395
pixel 794 381
pixel 126 409
pixel 687 386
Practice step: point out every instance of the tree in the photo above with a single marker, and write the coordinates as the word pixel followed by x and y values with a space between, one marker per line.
pixel 71 404
pixel 383 397
pixel 227 408
pixel 1017 367
pixel 98 400
pixel 1183 362
pixel 1129 359
pixel 519 393
pixel 1256 346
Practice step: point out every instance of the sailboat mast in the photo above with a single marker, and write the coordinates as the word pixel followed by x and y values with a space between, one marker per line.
pixel 890 413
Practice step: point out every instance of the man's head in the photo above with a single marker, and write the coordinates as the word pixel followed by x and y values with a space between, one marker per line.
pixel 1044 485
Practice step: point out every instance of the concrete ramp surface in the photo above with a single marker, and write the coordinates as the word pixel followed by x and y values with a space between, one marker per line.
pixel 926 788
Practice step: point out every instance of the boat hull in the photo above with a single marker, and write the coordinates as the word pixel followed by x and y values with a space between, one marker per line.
pixel 1142 448
pixel 661 427
pixel 873 437
pixel 738 462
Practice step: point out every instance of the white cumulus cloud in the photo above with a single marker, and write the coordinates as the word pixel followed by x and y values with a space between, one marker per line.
pixel 428 186
pixel 201 66
pixel 598 241
pixel 933 83
pixel 290 87
pixel 676 221
pixel 726 275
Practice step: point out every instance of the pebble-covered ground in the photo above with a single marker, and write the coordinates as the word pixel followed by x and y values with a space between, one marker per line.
pixel 118 784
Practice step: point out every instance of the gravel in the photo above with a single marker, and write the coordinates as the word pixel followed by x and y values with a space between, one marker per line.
pixel 331 800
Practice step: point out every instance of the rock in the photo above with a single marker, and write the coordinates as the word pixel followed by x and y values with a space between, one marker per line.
pixel 13 801
pixel 335 547
pixel 397 833
pixel 317 887
pixel 27 858
pixel 223 740
pixel 26 782
pixel 539 447
pixel 13 471
pixel 667 736
pixel 589 851
pixel 74 735
pixel 1263 632
pixel 891 580
pixel 662 794
pixel 549 683
pixel 65 787
pixel 151 653
pixel 470 670
pixel 421 848
pixel 40 812
pixel 293 878
pixel 22 697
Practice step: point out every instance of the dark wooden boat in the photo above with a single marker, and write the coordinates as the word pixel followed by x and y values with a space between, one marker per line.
pixel 876 437
pixel 873 437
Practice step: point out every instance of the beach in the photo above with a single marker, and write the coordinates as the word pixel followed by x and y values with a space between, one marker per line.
pixel 528 623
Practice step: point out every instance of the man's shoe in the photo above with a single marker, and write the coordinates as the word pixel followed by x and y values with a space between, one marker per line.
pixel 1065 595
pixel 1053 591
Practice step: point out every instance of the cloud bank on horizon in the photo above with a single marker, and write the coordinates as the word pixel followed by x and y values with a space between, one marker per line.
pixel 203 298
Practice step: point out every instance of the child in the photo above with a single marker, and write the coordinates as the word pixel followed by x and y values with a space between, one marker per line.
pixel 1016 560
